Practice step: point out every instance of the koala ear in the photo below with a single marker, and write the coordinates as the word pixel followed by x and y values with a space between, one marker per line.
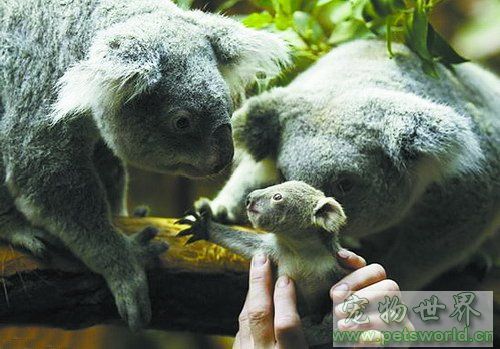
pixel 118 68
pixel 426 136
pixel 329 215
pixel 244 54
pixel 256 125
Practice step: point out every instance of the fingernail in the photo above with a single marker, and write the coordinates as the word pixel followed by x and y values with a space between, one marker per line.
pixel 340 290
pixel 259 260
pixel 344 253
pixel 283 281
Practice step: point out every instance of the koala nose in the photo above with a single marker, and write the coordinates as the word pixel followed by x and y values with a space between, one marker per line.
pixel 250 203
pixel 223 142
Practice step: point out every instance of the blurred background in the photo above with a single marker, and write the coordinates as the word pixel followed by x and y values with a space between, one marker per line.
pixel 472 27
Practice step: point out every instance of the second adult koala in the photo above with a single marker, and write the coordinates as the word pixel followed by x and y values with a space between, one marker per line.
pixel 89 86
pixel 415 160
pixel 301 238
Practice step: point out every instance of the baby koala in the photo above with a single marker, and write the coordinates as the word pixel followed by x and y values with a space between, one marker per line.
pixel 301 238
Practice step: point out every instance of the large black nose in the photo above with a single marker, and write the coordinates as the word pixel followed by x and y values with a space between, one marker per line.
pixel 223 142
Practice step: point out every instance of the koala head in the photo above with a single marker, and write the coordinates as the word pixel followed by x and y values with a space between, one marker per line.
pixel 161 87
pixel 293 207
pixel 375 152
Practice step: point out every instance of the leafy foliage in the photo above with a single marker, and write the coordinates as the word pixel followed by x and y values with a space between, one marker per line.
pixel 185 4
pixel 313 27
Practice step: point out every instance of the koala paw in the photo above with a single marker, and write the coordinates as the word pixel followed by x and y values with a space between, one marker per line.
pixel 145 248
pixel 220 212
pixel 132 299
pixel 198 227
pixel 32 240
pixel 141 211
pixel 128 283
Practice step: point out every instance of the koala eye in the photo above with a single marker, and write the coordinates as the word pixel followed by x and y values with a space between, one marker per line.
pixel 277 197
pixel 182 121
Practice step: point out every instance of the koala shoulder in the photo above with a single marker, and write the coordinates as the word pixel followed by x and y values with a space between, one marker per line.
pixel 483 85
pixel 261 123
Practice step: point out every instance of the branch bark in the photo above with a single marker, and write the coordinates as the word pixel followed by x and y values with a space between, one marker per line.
pixel 198 287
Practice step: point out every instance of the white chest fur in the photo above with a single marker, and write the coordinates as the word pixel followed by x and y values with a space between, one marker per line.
pixel 309 263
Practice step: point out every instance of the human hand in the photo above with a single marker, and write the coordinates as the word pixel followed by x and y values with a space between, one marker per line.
pixel 270 320
pixel 267 320
pixel 366 281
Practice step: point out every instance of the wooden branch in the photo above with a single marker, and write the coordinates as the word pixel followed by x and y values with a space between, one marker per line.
pixel 199 287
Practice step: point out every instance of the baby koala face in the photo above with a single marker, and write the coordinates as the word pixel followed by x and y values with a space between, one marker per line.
pixel 293 206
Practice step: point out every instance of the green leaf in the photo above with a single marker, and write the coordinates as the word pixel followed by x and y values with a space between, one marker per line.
pixel 307 27
pixel 301 23
pixel 340 11
pixel 185 4
pixel 317 31
pixel 263 3
pixel 388 35
pixel 429 68
pixel 258 20
pixel 320 3
pixel 293 39
pixel 276 6
pixel 282 21
pixel 441 49
pixel 349 30
pixel 286 6
pixel 226 5
pixel 296 5
pixel 416 31
pixel 387 7
pixel 311 27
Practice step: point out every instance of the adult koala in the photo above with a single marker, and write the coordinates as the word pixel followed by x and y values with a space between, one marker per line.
pixel 414 160
pixel 88 85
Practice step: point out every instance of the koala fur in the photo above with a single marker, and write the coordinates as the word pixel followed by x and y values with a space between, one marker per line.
pixel 88 86
pixel 414 160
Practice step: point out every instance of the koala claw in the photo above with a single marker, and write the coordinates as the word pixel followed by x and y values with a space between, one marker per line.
pixel 198 227
pixel 190 212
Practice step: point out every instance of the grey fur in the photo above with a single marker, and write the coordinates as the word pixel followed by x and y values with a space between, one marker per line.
pixel 414 160
pixel 301 238
pixel 89 86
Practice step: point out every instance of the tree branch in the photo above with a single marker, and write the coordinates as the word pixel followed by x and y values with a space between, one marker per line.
pixel 198 287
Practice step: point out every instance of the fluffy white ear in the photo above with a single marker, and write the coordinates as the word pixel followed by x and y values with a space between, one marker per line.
pixel 329 215
pixel 245 55
pixel 118 68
